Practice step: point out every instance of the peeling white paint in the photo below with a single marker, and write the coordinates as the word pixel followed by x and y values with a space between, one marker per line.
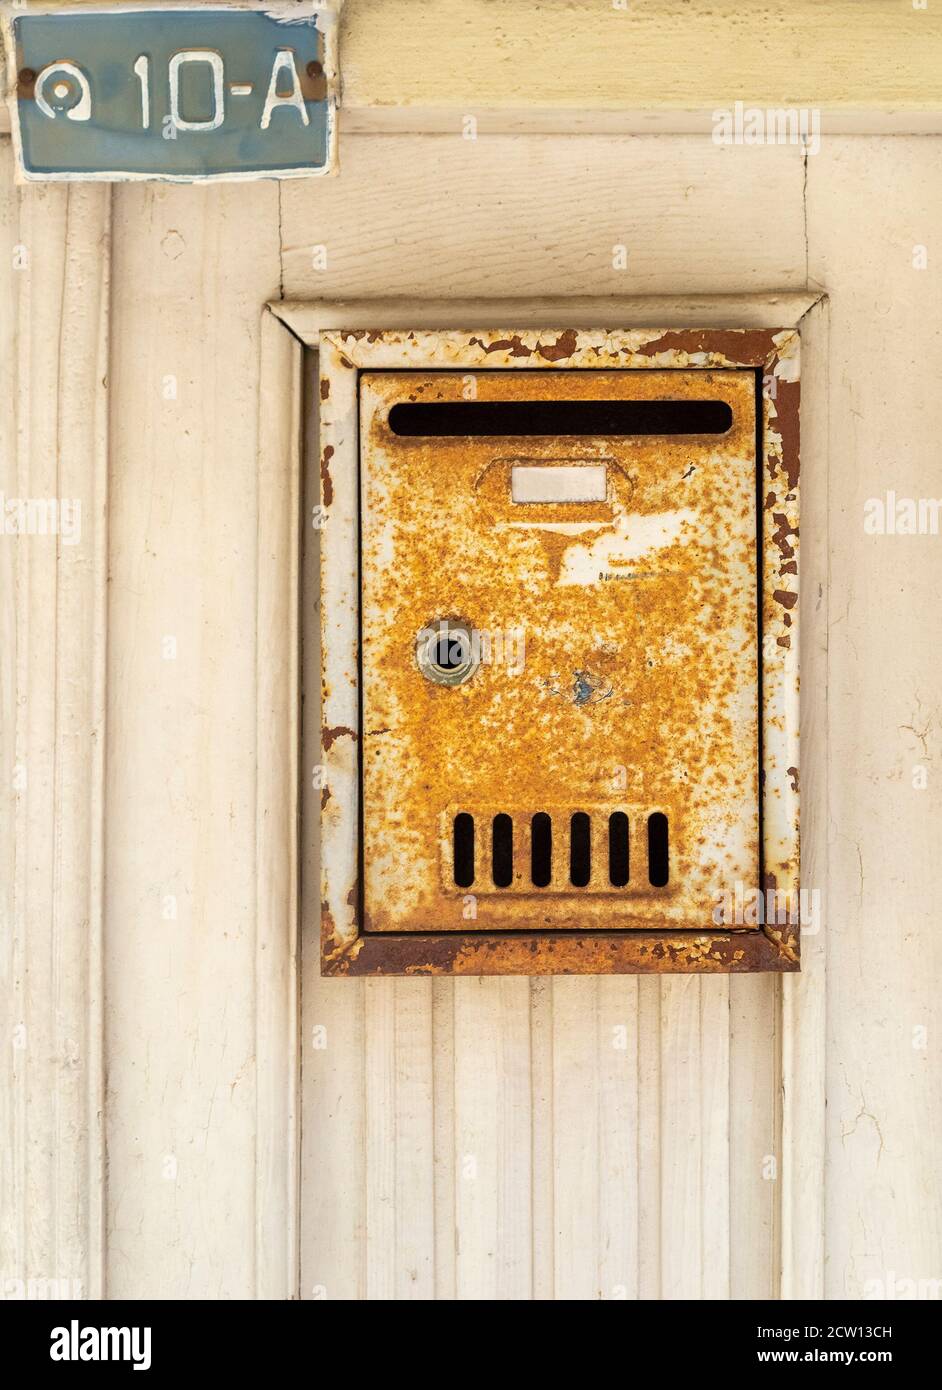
pixel 633 538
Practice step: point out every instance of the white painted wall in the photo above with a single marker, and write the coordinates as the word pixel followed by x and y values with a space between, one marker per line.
pixel 466 1138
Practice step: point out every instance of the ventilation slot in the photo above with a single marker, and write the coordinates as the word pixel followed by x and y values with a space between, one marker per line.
pixel 580 851
pixel 558 419
pixel 658 867
pixel 600 847
pixel 541 849
pixel 502 853
pixel 463 850
pixel 618 849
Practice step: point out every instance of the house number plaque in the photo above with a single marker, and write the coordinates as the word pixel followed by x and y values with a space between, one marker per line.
pixel 185 94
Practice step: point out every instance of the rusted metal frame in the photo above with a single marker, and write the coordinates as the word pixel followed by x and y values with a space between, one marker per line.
pixel 346 947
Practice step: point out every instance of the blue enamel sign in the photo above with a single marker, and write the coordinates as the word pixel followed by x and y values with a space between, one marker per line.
pixel 181 94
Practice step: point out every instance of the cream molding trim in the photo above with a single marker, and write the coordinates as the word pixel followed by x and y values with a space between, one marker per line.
pixel 599 66
pixel 308 319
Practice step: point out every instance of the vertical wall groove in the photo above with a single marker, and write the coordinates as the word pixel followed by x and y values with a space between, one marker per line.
pixel 55 456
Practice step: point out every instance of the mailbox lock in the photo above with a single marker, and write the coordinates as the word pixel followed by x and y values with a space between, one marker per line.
pixel 448 652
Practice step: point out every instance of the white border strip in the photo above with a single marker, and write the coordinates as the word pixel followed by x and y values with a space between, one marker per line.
pixel 277 739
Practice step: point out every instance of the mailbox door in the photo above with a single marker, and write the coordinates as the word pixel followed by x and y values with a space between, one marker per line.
pixel 559 648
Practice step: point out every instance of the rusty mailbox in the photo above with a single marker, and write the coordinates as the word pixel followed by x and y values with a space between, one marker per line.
pixel 559 581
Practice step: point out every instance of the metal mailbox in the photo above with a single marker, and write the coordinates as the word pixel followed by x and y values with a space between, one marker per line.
pixel 563 665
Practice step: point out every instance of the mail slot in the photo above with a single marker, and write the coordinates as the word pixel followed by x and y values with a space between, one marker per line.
pixel 570 659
